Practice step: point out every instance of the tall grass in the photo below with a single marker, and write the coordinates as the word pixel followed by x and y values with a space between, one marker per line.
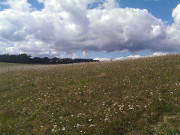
pixel 140 96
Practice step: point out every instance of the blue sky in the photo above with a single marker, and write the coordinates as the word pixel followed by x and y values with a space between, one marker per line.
pixel 159 8
pixel 36 4
pixel 164 30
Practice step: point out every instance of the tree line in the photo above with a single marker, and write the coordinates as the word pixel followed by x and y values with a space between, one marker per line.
pixel 27 59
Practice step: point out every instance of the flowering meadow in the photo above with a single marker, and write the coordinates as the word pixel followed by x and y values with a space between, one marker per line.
pixel 126 97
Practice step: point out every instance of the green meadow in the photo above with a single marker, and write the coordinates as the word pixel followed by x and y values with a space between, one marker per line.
pixel 127 97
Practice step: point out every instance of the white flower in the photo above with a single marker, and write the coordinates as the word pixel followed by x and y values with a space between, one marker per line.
pixel 130 107
pixel 92 125
pixel 63 129
pixel 90 120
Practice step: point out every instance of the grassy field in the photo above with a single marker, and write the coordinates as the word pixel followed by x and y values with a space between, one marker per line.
pixel 131 97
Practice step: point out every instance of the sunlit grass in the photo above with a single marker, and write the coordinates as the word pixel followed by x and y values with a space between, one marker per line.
pixel 117 97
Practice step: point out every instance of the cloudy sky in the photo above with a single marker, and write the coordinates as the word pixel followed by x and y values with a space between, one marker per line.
pixel 89 28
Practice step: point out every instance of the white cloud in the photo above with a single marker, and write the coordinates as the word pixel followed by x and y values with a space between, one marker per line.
pixel 119 58
pixel 125 29
pixel 20 5
pixel 84 53
pixel 74 56
pixel 129 57
pixel 172 40
pixel 68 25
pixel 102 59
pixel 134 56
pixel 139 56
pixel 158 54
pixel 110 4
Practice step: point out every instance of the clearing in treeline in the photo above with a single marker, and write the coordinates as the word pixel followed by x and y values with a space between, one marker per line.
pixel 140 96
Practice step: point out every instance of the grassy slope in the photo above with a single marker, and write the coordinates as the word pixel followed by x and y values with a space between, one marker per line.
pixel 139 96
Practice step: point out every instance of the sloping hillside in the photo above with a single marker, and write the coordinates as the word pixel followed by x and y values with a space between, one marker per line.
pixel 140 96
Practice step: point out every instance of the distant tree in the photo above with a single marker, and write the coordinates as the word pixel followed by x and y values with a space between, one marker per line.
pixel 24 58
pixel 55 60
pixel 36 60
pixel 45 60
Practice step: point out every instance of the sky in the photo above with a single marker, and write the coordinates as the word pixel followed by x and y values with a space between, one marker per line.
pixel 98 29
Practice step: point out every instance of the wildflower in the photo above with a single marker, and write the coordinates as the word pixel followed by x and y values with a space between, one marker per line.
pixel 63 129
pixel 92 125
pixel 130 107
pixel 90 120
pixel 55 126
pixel 78 125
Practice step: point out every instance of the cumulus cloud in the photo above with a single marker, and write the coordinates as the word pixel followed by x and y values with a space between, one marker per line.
pixel 74 56
pixel 84 53
pixel 158 54
pixel 68 25
pixel 139 56
pixel 172 40
pixel 129 57
pixel 102 59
